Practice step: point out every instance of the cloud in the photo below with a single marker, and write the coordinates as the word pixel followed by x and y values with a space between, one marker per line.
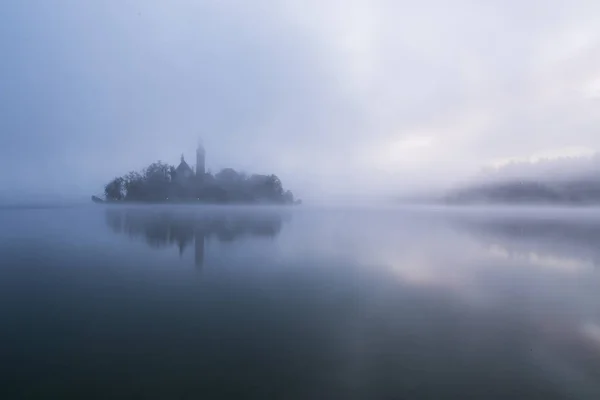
pixel 336 97
pixel 576 152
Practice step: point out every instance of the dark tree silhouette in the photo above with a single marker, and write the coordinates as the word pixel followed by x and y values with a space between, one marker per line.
pixel 159 183
pixel 115 189
pixel 582 191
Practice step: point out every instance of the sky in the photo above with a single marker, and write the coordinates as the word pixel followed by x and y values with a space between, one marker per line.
pixel 339 98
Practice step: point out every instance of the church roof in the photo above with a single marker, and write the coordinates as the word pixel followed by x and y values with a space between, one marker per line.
pixel 183 166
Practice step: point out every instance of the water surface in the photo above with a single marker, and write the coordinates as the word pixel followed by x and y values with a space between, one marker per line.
pixel 299 303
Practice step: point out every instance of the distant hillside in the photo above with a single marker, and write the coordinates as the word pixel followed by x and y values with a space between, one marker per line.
pixel 571 192
pixel 565 181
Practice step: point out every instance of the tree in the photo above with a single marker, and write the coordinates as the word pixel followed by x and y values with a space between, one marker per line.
pixel 157 179
pixel 228 176
pixel 115 189
pixel 158 183
pixel 275 187
pixel 288 197
pixel 134 186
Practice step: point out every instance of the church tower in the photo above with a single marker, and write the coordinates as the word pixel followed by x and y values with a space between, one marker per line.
pixel 200 160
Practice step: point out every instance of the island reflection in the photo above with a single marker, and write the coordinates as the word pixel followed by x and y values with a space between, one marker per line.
pixel 185 228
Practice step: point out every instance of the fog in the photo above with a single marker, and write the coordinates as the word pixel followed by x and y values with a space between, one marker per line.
pixel 559 169
pixel 340 99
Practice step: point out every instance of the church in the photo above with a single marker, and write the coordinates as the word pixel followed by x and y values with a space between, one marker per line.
pixel 183 172
pixel 161 182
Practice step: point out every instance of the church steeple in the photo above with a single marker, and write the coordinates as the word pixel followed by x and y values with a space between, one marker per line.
pixel 200 160
pixel 183 171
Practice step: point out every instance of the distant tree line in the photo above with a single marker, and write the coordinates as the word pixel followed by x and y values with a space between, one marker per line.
pixel 159 183
pixel 576 191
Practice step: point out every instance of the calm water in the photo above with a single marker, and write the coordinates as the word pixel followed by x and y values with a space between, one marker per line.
pixel 189 303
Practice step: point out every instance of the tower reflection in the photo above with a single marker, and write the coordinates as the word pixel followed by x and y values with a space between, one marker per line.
pixel 184 228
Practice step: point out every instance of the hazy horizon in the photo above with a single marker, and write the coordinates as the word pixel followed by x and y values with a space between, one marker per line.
pixel 340 99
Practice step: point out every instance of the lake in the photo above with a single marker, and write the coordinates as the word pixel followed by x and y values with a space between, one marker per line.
pixel 165 302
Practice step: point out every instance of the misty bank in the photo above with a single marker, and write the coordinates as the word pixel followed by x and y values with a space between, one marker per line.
pixel 575 192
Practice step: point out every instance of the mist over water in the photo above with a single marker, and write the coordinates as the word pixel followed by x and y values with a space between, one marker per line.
pixel 360 109
pixel 280 302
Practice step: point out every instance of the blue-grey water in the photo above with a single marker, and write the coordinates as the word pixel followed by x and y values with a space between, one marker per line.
pixel 299 303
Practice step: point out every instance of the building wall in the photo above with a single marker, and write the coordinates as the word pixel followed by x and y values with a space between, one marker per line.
pixel 200 161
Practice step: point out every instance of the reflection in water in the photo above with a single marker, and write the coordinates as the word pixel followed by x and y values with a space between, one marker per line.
pixel 165 228
pixel 558 295
pixel 346 303
pixel 547 240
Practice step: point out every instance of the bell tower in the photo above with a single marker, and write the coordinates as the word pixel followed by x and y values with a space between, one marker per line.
pixel 200 160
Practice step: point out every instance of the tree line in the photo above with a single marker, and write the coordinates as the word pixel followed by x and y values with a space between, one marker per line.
pixel 573 192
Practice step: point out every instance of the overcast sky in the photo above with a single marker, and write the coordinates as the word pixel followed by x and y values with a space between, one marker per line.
pixel 337 97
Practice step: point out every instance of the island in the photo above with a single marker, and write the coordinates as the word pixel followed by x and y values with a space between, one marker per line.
pixel 164 183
